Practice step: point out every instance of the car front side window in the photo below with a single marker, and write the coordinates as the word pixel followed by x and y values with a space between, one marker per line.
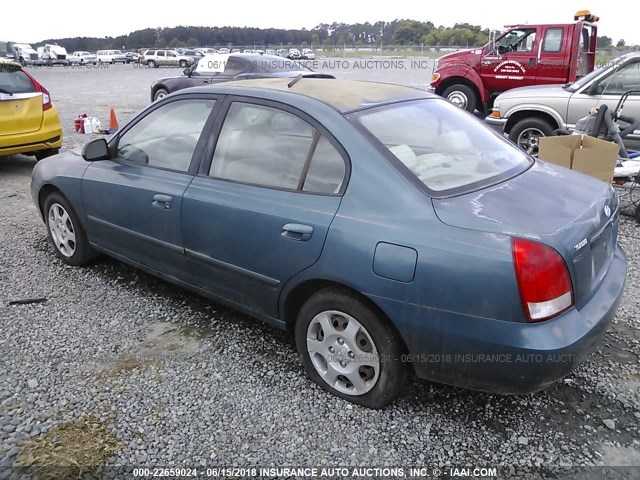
pixel 269 147
pixel 625 78
pixel 166 137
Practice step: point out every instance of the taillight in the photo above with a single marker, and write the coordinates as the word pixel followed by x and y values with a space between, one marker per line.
pixel 543 279
pixel 46 96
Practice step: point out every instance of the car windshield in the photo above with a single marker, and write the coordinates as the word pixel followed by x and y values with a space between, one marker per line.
pixel 449 151
pixel 578 84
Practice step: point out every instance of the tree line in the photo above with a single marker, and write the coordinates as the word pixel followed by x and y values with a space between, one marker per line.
pixel 400 32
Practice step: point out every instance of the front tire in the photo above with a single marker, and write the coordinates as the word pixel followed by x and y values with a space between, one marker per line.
pixel 65 231
pixel 184 64
pixel 461 96
pixel 527 133
pixel 349 349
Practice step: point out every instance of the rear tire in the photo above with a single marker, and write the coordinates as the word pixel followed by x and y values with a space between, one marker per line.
pixel 349 349
pixel 160 93
pixel 65 231
pixel 151 64
pixel 461 96
pixel 46 153
pixel 184 64
pixel 527 132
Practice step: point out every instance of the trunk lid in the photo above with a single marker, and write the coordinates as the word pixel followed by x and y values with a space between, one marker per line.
pixel 572 212
pixel 20 113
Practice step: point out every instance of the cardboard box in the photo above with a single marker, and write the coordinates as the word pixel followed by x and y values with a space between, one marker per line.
pixel 581 153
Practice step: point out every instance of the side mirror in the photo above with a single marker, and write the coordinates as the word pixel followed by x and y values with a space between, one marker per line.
pixel 96 150
pixel 187 72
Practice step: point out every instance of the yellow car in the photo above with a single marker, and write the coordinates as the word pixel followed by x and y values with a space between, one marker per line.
pixel 29 122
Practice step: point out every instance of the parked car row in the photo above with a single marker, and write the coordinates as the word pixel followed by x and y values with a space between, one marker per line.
pixel 296 187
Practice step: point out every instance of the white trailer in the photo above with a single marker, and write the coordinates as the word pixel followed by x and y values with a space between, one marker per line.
pixel 53 55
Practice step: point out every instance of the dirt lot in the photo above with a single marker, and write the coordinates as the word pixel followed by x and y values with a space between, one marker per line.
pixel 121 369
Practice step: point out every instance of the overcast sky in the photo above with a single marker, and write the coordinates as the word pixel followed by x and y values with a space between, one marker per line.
pixel 65 18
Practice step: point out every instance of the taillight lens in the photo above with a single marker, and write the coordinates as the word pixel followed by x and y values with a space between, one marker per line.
pixel 543 279
pixel 46 98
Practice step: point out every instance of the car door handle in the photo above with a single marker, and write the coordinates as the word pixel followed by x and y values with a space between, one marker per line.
pixel 532 62
pixel 162 201
pixel 296 231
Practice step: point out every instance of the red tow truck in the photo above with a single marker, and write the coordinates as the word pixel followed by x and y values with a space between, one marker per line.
pixel 521 56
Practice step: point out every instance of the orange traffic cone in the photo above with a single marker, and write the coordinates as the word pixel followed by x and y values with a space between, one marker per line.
pixel 113 122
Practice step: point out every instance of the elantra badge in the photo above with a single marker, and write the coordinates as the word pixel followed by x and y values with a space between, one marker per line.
pixel 607 211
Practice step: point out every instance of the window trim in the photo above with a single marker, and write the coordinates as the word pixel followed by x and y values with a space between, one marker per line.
pixel 221 115
pixel 197 156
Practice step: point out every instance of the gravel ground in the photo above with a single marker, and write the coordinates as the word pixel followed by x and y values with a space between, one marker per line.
pixel 170 379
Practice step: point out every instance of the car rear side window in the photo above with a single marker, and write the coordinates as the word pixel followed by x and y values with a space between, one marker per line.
pixel 234 66
pixel 269 147
pixel 167 136
pixel 326 170
pixel 552 40
pixel 14 80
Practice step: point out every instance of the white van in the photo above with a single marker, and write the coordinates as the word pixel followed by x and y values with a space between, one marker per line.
pixel 111 56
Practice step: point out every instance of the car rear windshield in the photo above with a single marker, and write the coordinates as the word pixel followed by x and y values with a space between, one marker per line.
pixel 14 80
pixel 443 148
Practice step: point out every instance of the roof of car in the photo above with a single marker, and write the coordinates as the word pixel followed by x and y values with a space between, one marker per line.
pixel 343 95
pixel 7 62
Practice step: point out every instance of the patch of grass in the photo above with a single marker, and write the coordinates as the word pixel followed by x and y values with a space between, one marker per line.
pixel 126 364
pixel 68 451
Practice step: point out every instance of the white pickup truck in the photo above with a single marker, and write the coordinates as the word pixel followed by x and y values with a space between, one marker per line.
pixel 82 58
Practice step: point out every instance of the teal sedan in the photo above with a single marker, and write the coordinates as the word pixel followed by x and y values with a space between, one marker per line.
pixel 389 231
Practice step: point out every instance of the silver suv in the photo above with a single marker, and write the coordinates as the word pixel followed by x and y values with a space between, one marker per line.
pixel 157 58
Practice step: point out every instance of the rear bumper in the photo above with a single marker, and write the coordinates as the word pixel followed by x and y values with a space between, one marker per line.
pixel 508 357
pixel 48 136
